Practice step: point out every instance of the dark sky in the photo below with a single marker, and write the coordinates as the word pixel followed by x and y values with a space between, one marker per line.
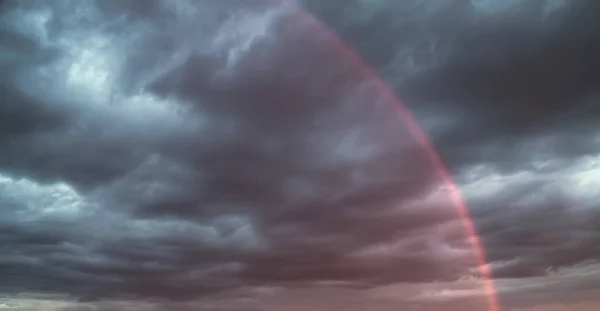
pixel 228 155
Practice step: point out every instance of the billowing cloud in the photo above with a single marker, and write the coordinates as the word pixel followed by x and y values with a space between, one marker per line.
pixel 204 154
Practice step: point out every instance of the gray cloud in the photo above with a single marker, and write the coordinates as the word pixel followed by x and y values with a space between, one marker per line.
pixel 184 150
pixel 508 94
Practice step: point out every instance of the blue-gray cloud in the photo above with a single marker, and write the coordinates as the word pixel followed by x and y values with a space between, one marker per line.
pixel 185 149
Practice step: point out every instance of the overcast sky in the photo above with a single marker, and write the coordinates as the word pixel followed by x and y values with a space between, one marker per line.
pixel 231 155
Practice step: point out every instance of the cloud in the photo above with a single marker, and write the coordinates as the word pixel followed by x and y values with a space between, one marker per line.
pixel 160 180
pixel 174 151
pixel 509 107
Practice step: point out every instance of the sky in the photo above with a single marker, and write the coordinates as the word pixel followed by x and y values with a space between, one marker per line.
pixel 235 156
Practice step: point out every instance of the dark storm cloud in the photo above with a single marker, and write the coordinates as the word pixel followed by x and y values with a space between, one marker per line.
pixel 485 76
pixel 159 154
pixel 181 149
pixel 511 88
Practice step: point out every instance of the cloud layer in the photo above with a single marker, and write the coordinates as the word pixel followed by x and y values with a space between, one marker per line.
pixel 173 151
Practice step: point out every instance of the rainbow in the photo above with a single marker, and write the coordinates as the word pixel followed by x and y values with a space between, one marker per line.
pixel 364 70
